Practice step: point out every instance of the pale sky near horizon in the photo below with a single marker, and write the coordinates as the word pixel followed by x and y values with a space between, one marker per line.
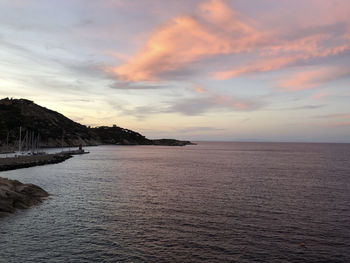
pixel 265 70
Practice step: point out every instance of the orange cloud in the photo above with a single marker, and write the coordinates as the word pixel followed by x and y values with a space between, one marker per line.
pixel 198 88
pixel 179 42
pixel 185 39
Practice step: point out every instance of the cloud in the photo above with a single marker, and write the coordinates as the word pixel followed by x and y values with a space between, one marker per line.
pixel 341 124
pixel 185 39
pixel 342 119
pixel 176 44
pixel 200 89
pixel 285 54
pixel 312 78
pixel 306 107
pixel 134 86
pixel 245 120
pixel 258 66
pixel 198 106
pixel 321 95
pixel 195 106
pixel 216 29
pixel 335 116
pixel 199 129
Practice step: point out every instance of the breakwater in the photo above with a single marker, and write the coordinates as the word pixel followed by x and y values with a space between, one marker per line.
pixel 31 160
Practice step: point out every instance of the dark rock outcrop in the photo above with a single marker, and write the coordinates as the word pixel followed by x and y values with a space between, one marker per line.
pixel 171 142
pixel 15 195
pixel 121 136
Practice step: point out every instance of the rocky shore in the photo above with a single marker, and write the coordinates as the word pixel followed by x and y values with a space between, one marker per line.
pixel 15 195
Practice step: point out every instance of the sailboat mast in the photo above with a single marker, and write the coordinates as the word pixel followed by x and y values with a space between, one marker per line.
pixel 19 144
pixel 7 141
pixel 32 142
pixel 38 143
pixel 62 140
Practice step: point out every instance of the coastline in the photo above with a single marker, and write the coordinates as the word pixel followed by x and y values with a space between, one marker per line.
pixel 15 195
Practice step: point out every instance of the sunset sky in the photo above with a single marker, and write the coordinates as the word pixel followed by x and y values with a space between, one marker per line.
pixel 257 70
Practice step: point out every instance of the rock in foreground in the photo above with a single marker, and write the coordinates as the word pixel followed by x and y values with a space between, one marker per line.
pixel 15 195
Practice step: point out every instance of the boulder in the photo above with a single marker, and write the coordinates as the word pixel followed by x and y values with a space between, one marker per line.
pixel 15 195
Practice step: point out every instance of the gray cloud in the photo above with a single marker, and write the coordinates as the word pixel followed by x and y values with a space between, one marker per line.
pixel 134 86
pixel 198 106
pixel 192 106
pixel 305 107
pixel 197 129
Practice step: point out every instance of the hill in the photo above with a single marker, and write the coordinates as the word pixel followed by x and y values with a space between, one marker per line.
pixel 55 129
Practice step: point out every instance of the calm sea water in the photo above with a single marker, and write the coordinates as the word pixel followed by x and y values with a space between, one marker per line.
pixel 214 202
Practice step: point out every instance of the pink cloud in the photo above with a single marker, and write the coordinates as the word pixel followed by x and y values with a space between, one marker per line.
pixel 321 95
pixel 176 44
pixel 335 116
pixel 281 55
pixel 217 29
pixel 343 119
pixel 231 102
pixel 200 89
pixel 185 39
pixel 258 66
pixel 341 124
pixel 312 78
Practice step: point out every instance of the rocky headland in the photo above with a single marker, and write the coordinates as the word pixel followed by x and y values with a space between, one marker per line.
pixel 57 130
pixel 15 195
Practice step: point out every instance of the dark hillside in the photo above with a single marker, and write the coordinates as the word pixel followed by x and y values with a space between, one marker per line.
pixel 55 129
pixel 52 126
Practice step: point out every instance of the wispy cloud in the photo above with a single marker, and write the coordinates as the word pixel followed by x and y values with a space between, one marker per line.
pixel 200 105
pixel 305 107
pixel 135 86
pixel 195 106
pixel 313 78
pixel 321 95
pixel 336 119
pixel 334 116
pixel 341 124
pixel 199 88
pixel 199 129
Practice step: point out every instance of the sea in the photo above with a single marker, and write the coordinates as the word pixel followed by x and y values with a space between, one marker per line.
pixel 210 202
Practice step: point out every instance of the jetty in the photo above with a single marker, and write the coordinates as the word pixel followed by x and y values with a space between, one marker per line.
pixel 24 161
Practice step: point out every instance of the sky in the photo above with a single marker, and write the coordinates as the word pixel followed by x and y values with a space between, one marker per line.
pixel 258 70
